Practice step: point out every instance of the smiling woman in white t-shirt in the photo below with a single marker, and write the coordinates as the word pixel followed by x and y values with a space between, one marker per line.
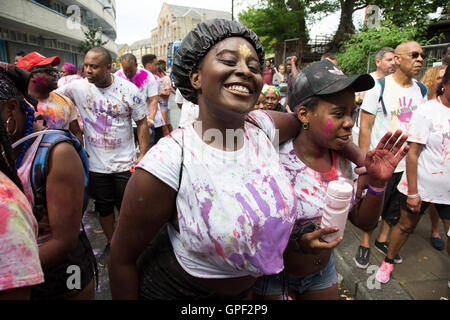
pixel 217 214
pixel 427 174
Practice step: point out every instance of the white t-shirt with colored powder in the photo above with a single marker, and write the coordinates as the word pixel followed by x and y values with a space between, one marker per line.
pixel 148 85
pixel 19 254
pixel 107 114
pixel 235 209
pixel 189 110
pixel 310 185
pixel 430 127
pixel 399 102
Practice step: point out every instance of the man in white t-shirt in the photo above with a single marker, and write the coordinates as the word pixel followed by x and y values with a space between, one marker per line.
pixel 107 104
pixel 384 59
pixel 400 97
pixel 189 110
pixel 146 83
pixel 158 125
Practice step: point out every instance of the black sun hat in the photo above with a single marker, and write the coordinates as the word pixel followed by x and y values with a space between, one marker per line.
pixel 323 78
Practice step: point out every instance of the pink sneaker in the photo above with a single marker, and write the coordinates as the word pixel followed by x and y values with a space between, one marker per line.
pixel 384 272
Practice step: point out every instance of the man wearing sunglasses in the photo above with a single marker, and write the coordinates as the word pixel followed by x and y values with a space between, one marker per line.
pixel 57 111
pixel 387 107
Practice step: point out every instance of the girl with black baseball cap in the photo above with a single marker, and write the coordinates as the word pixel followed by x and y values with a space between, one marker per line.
pixel 323 98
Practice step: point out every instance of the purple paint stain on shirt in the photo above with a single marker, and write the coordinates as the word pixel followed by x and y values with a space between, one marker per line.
pixel 206 208
pixel 274 236
pixel 237 259
pixel 263 206
pixel 277 194
pixel 247 208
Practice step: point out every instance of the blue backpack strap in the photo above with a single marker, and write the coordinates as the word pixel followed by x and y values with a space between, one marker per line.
pixel 39 168
pixel 382 82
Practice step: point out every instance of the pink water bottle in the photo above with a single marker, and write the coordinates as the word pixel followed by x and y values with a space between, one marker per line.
pixel 337 205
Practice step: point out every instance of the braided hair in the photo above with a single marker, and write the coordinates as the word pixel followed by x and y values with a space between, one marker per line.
pixel 9 90
pixel 29 112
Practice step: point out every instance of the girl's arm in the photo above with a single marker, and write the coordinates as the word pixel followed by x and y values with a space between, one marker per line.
pixel 147 205
pixel 411 175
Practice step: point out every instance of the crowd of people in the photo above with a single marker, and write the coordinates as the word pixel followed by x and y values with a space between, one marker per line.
pixel 229 204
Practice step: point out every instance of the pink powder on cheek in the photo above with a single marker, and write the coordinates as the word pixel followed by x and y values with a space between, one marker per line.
pixel 329 129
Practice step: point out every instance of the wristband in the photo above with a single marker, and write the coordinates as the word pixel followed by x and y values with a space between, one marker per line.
pixel 151 121
pixel 413 196
pixel 376 191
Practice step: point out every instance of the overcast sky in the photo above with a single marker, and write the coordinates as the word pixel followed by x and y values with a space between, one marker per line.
pixel 136 18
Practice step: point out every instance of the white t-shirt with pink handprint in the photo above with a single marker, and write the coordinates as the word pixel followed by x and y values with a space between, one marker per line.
pixel 107 115
pixel 400 104
pixel 430 127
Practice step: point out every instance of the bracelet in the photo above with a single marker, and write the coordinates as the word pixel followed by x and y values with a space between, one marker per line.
pixel 376 191
pixel 413 196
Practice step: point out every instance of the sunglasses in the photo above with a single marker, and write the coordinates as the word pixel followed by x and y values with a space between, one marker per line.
pixel 415 54
pixel 49 70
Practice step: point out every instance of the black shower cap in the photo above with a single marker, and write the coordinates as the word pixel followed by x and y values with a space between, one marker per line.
pixel 199 41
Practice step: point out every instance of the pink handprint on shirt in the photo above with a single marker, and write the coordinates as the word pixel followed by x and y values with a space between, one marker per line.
pixel 103 118
pixel 404 112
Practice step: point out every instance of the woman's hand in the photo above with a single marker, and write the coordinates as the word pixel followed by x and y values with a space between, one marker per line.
pixel 312 243
pixel 413 204
pixel 382 161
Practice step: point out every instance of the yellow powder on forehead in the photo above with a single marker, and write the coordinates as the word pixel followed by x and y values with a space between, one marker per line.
pixel 245 51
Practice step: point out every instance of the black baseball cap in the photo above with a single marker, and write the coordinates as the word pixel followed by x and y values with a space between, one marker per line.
pixel 323 78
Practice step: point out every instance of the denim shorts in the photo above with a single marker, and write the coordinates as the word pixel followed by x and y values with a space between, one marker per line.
pixel 283 283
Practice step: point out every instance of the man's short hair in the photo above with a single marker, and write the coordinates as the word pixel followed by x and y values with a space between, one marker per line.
pixel 105 53
pixel 380 53
pixel 128 57
pixel 148 58
pixel 329 55
pixel 20 54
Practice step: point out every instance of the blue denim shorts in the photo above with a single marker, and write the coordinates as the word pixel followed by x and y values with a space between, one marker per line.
pixel 283 283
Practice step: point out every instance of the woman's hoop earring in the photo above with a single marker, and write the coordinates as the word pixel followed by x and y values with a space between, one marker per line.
pixel 8 129
pixel 306 126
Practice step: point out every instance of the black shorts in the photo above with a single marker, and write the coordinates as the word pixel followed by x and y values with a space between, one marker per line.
pixel 162 278
pixel 392 199
pixel 442 209
pixel 107 190
pixel 57 279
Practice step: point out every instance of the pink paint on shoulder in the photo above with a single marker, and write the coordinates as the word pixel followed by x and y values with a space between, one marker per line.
pixel 140 78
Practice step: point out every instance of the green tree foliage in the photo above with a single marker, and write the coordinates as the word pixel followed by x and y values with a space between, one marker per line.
pixel 354 54
pixel 278 20
pixel 91 40
pixel 274 21
pixel 409 12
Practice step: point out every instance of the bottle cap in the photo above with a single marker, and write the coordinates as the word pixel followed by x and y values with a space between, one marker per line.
pixel 341 188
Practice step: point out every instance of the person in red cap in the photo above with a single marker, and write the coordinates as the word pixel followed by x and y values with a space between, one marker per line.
pixel 57 110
